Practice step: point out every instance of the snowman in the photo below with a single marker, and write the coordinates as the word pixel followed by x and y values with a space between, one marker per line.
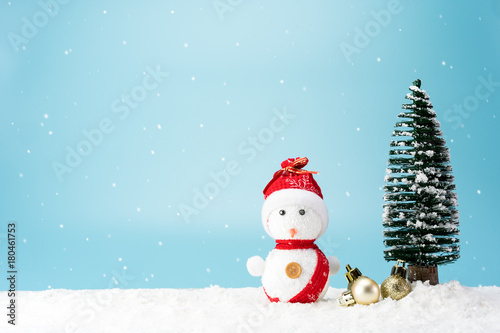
pixel 295 215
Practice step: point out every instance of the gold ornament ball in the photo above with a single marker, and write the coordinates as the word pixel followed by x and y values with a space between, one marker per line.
pixel 395 287
pixel 365 291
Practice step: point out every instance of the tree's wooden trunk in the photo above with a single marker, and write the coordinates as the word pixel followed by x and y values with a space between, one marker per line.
pixel 423 273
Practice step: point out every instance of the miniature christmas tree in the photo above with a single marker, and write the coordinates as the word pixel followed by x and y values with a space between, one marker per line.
pixel 420 214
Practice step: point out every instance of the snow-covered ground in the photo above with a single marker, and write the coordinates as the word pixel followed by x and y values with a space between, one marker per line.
pixel 448 307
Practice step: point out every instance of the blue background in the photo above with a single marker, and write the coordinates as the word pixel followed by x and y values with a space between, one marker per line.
pixel 118 219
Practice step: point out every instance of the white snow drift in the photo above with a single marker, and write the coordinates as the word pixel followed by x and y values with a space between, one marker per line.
pixel 448 307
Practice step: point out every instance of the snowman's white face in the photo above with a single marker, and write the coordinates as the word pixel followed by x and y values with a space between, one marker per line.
pixel 294 222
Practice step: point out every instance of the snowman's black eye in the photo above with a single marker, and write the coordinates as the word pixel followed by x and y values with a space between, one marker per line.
pixel 282 212
pixel 302 212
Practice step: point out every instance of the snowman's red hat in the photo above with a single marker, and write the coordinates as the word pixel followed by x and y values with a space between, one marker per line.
pixel 293 185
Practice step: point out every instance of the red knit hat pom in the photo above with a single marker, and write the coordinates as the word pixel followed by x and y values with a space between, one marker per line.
pixel 292 176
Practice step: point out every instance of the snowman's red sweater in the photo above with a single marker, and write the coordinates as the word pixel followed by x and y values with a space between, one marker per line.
pixel 319 278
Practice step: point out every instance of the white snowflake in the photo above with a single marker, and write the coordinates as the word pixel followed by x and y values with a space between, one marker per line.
pixel 303 183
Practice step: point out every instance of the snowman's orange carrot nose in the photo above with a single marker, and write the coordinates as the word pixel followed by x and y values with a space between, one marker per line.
pixel 293 232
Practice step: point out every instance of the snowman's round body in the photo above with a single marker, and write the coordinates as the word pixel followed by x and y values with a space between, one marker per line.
pixel 279 286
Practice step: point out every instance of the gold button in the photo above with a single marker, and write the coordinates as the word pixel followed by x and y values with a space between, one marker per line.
pixel 293 270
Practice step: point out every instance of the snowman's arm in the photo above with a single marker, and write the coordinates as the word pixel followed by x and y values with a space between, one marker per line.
pixel 334 264
pixel 256 265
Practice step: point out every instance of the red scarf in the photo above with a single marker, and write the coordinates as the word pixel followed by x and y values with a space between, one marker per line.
pixel 319 278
